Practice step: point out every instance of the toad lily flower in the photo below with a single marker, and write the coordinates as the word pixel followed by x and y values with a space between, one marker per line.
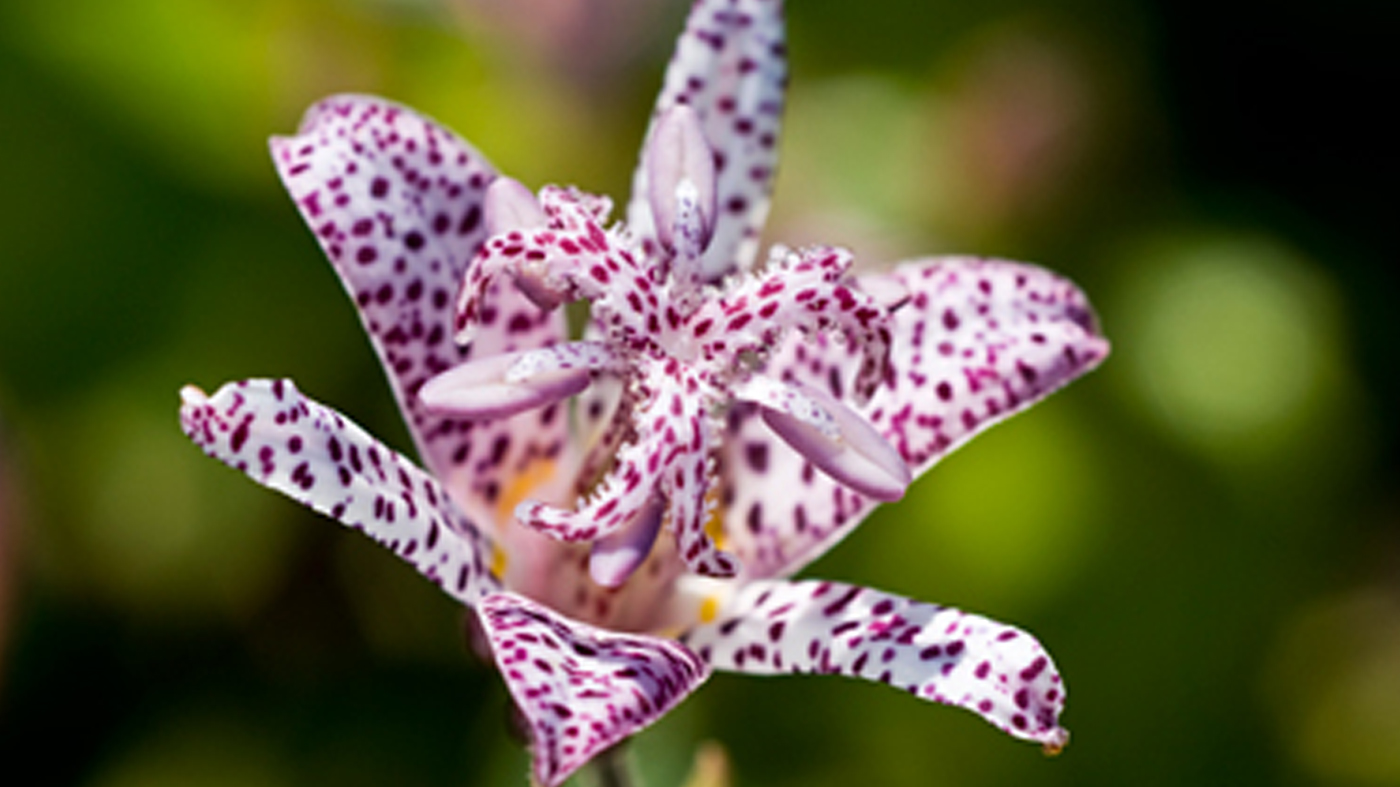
pixel 753 413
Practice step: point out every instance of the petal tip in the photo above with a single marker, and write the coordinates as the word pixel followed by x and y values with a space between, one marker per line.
pixel 192 396
pixel 1055 742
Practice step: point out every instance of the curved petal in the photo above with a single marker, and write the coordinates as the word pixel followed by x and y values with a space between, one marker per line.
pixel 730 65
pixel 316 456
pixel 395 201
pixel 582 688
pixel 936 653
pixel 978 341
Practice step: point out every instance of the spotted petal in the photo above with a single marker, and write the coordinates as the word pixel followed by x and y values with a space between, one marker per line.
pixel 581 688
pixel 395 200
pixel 978 341
pixel 314 455
pixel 936 653
pixel 730 65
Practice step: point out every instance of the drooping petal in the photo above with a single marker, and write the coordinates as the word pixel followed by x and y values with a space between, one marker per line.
pixel 395 200
pixel 936 653
pixel 730 65
pixel 978 341
pixel 582 688
pixel 316 456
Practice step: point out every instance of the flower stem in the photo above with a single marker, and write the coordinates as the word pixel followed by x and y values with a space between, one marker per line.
pixel 612 768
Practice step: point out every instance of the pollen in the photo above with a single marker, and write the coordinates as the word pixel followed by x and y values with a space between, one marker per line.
pixel 1053 747
pixel 709 609
pixel 714 526
pixel 499 561
pixel 528 480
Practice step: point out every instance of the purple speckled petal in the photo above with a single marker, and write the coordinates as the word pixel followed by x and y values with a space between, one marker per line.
pixel 730 65
pixel 978 341
pixel 936 653
pixel 582 688
pixel 316 456
pixel 395 200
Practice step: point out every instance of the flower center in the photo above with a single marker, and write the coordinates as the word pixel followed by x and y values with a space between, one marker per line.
pixel 683 350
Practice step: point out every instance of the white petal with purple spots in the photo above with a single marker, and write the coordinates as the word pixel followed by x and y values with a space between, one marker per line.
pixel 582 689
pixel 730 66
pixel 976 342
pixel 936 653
pixel 395 200
pixel 316 456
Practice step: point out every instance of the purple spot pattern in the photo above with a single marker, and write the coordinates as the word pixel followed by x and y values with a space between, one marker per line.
pixel 667 458
pixel 582 688
pixel 394 199
pixel 977 341
pixel 809 292
pixel 730 66
pixel 396 203
pixel 935 653
pixel 314 455
pixel 682 354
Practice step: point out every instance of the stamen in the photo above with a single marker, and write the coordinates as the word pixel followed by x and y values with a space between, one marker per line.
pixel 887 290
pixel 508 206
pixel 858 456
pixel 616 556
pixel 681 170
pixel 511 207
pixel 509 383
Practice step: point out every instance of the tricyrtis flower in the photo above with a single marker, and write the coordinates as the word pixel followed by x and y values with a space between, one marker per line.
pixel 753 412
pixel 684 351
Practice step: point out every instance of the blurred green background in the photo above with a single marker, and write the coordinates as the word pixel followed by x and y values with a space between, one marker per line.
pixel 1205 532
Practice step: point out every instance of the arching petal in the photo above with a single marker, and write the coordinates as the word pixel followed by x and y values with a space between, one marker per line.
pixel 395 201
pixel 730 65
pixel 582 689
pixel 316 456
pixel 978 341
pixel 996 671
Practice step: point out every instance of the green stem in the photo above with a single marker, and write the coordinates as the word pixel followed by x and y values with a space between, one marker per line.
pixel 612 769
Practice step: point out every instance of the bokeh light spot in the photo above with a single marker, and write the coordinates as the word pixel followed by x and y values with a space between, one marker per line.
pixel 1230 340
